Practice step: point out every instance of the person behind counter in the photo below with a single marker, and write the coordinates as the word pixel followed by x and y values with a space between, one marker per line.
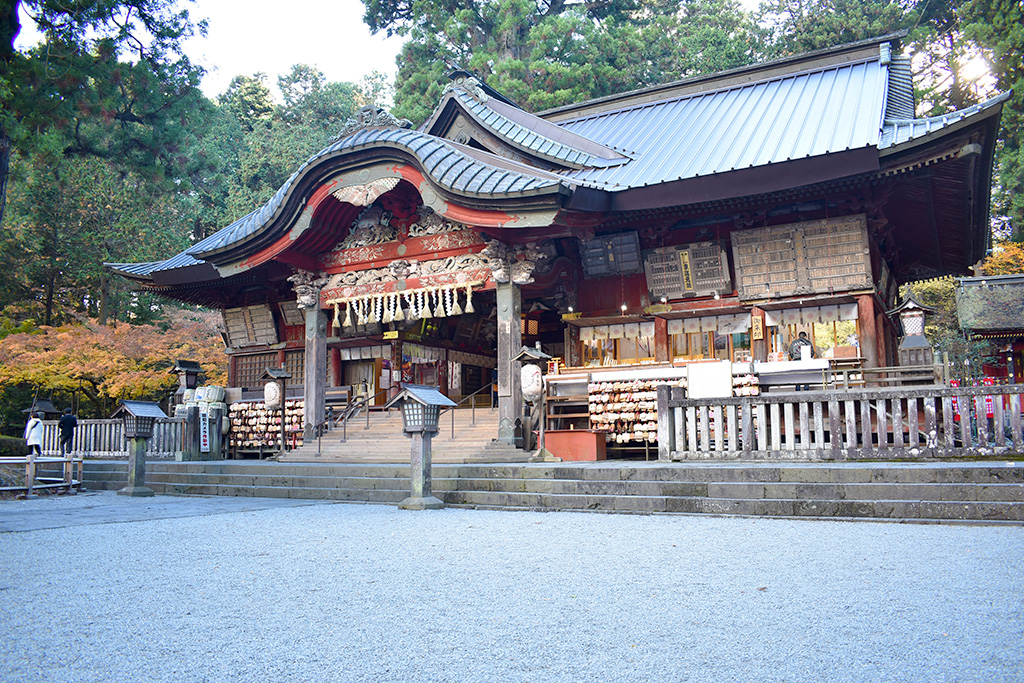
pixel 796 348
pixel 796 353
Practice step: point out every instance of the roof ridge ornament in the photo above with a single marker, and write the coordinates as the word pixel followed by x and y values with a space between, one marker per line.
pixel 470 85
pixel 371 116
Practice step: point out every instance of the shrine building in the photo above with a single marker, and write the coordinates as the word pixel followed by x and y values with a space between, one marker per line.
pixel 632 236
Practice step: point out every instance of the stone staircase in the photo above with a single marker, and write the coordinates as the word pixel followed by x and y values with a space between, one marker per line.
pixel 384 442
pixel 975 492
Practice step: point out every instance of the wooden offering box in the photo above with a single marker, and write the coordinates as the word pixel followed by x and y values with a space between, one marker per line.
pixel 576 444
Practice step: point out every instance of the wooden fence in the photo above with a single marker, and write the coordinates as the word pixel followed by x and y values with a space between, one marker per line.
pixel 852 424
pixel 105 438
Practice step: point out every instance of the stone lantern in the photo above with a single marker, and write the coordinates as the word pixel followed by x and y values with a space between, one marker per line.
pixel 273 394
pixel 914 347
pixel 421 410
pixel 139 420
pixel 188 372
pixel 532 382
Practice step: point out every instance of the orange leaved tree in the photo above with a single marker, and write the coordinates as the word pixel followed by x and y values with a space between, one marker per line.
pixel 105 363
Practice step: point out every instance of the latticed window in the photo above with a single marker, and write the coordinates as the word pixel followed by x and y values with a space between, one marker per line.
pixel 249 368
pixel 295 364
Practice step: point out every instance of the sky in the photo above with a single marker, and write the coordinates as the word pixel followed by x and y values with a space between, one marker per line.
pixel 249 36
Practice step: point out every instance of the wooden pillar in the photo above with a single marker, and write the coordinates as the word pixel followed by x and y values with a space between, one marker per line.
pixel 442 374
pixel 510 401
pixel 758 347
pixel 571 339
pixel 661 345
pixel 336 367
pixel 880 340
pixel 232 370
pixel 280 358
pixel 868 333
pixel 315 371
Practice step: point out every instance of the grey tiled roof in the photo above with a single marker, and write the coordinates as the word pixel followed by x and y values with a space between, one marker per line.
pixel 540 137
pixel 453 167
pixel 900 101
pixel 898 132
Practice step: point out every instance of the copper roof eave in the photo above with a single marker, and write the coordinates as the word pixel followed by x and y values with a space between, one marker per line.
pixel 744 182
pixel 200 272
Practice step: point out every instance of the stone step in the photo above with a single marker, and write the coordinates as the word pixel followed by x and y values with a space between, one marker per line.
pixel 955 492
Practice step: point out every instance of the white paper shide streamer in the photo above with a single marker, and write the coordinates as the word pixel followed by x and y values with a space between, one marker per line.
pixel 441 301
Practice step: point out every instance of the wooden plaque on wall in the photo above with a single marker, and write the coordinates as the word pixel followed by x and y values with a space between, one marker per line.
pixel 695 269
pixel 250 326
pixel 823 256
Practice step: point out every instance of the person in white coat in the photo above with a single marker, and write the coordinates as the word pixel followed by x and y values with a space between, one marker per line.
pixel 34 434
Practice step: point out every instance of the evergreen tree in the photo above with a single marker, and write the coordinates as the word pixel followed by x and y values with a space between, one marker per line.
pixel 109 80
pixel 998 27
pixel 548 54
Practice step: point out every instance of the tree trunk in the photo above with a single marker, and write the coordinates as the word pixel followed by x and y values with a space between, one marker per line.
pixel 51 284
pixel 104 298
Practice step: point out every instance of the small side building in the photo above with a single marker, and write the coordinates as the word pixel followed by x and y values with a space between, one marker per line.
pixel 992 308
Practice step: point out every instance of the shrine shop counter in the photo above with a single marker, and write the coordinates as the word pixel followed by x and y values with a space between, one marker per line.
pixel 796 372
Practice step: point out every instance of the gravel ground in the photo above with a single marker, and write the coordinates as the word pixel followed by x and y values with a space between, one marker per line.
pixel 340 592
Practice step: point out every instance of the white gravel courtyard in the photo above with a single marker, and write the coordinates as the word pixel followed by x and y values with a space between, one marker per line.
pixel 206 589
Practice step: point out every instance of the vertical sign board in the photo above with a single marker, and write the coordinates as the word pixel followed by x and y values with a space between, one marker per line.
pixel 757 328
pixel 204 428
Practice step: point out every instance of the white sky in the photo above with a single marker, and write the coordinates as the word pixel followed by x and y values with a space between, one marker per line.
pixel 248 36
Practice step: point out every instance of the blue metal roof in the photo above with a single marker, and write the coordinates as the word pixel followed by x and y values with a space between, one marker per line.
pixel 779 119
pixel 809 108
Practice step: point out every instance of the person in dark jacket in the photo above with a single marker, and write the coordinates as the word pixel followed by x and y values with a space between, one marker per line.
pixel 67 425
pixel 798 344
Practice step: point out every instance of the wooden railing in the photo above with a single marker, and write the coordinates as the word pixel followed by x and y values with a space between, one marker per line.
pixel 852 424
pixel 31 462
pixel 105 439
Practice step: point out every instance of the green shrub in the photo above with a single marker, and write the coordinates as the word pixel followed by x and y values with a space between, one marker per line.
pixel 12 445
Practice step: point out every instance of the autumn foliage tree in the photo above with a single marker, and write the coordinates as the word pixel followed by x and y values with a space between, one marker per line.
pixel 1007 259
pixel 103 363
